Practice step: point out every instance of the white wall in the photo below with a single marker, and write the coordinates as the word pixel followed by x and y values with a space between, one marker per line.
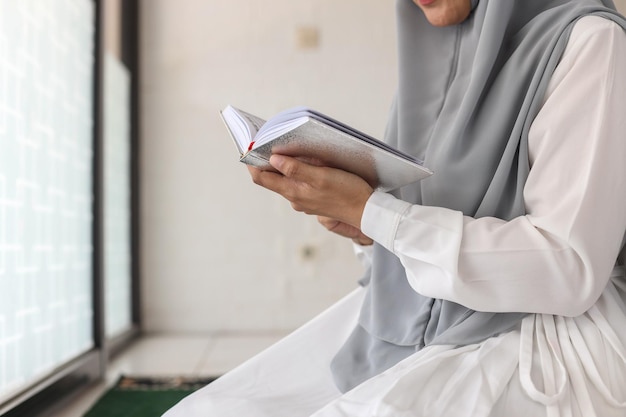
pixel 219 253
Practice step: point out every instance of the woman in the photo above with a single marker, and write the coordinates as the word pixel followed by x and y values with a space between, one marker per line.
pixel 496 286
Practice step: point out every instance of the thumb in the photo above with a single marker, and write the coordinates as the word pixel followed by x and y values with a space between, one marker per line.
pixel 291 167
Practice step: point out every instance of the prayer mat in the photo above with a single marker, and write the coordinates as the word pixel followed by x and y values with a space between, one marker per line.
pixel 145 397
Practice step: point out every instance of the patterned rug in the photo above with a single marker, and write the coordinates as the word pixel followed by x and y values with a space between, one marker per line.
pixel 145 397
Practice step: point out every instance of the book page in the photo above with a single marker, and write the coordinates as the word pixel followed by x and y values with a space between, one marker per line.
pixel 242 126
pixel 254 122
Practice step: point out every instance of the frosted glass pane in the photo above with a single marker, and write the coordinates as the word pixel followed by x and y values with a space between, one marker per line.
pixel 117 196
pixel 46 61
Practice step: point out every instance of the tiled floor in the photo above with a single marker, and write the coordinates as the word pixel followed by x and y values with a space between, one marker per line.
pixel 168 355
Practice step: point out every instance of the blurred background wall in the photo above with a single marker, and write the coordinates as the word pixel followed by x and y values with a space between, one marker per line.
pixel 219 253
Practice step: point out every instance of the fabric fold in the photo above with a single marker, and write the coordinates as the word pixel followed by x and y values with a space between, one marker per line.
pixel 466 98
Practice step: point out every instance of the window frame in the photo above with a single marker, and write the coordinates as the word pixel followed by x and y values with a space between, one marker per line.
pixel 67 380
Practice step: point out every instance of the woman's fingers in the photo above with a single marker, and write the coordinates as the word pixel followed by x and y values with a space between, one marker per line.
pixel 316 190
pixel 345 230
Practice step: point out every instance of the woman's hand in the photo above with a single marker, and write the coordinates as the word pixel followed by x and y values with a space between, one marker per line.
pixel 320 191
pixel 345 230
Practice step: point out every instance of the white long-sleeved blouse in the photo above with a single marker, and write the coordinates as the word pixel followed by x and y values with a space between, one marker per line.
pixel 556 259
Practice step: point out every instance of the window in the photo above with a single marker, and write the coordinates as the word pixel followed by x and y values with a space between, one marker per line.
pixel 117 174
pixel 46 148
pixel 68 274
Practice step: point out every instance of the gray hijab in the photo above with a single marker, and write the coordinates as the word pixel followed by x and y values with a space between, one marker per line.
pixel 466 99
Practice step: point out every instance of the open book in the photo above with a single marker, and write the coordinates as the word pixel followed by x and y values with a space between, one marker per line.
pixel 315 138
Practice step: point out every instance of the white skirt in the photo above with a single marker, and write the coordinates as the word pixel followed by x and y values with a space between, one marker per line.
pixel 549 366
